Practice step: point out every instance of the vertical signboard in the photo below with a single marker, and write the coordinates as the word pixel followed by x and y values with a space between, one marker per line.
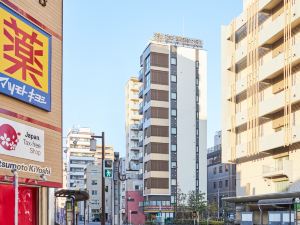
pixel 25 55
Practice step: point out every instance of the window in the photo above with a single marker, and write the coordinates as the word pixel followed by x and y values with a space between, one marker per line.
pixel 220 169
pixel 174 165
pixel 173 130
pixel 94 182
pixel 137 187
pixel 215 170
pixel 197 64
pixel 226 183
pixel 220 184
pixel 226 168
pixel 174 112
pixel 173 148
pixel 173 182
pixel 215 185
pixel 147 63
pixel 94 192
pixel 173 61
pixel 174 95
pixel 173 78
pixel 148 80
pixel 172 199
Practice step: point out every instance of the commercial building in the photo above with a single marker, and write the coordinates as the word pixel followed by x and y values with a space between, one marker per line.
pixel 30 110
pixel 260 106
pixel 173 73
pixel 134 166
pixel 79 156
pixel 221 179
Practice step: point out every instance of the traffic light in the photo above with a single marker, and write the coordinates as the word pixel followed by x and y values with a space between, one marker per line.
pixel 108 168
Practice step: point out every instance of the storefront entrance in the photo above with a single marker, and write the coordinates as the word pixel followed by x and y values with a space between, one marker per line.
pixel 28 205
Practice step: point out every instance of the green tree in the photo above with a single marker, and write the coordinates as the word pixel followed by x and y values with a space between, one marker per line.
pixel 212 209
pixel 196 202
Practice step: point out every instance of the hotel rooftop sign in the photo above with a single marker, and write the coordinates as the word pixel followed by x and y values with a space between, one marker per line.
pixel 177 40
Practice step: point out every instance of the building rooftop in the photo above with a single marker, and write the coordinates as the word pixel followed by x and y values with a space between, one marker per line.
pixel 177 40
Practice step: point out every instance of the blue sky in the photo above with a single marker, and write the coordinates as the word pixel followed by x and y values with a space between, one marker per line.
pixel 102 44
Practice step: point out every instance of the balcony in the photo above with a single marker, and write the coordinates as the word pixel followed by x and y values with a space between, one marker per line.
pixel 272 30
pixel 284 169
pixel 277 101
pixel 134 127
pixel 134 106
pixel 275 65
pixel 241 51
pixel 135 116
pixel 135 157
pixel 134 137
pixel 135 146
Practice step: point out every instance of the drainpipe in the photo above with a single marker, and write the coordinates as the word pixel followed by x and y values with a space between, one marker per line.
pixel 16 186
pixel 261 215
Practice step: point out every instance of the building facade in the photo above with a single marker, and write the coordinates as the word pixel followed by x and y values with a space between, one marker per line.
pixel 93 184
pixel 30 110
pixel 260 97
pixel 134 182
pixel 173 76
pixel 221 178
pixel 79 156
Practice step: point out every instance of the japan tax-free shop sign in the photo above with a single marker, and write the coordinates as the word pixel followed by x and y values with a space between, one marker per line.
pixel 22 141
pixel 25 56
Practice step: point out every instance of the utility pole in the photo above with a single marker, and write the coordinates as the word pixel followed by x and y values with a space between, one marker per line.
pixel 103 182
pixel 218 201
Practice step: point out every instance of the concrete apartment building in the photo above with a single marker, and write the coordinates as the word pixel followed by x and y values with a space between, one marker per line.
pixel 79 156
pixel 173 73
pixel 93 184
pixel 260 105
pixel 134 183
pixel 221 178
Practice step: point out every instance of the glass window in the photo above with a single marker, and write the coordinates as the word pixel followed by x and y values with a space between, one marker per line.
pixel 174 95
pixel 226 183
pixel 94 182
pixel 174 112
pixel 173 78
pixel 197 64
pixel 173 182
pixel 173 130
pixel 174 164
pixel 215 185
pixel 173 147
pixel 172 199
pixel 215 170
pixel 220 184
pixel 220 169
pixel 148 80
pixel 173 61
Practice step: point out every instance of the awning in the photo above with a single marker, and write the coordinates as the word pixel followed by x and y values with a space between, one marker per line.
pixel 279 201
pixel 78 195
pixel 256 198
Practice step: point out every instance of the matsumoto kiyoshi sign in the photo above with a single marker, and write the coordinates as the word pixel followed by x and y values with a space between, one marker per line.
pixel 20 140
pixel 25 54
pixel 22 167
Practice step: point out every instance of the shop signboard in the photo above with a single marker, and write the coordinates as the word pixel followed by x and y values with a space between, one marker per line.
pixel 20 140
pixel 25 55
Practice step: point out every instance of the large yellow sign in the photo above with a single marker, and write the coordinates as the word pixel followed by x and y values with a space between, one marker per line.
pixel 25 59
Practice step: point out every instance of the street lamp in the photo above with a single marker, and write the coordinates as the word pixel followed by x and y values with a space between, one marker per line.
pixel 93 147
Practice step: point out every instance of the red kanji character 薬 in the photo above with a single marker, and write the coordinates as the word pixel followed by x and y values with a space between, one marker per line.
pixel 26 57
